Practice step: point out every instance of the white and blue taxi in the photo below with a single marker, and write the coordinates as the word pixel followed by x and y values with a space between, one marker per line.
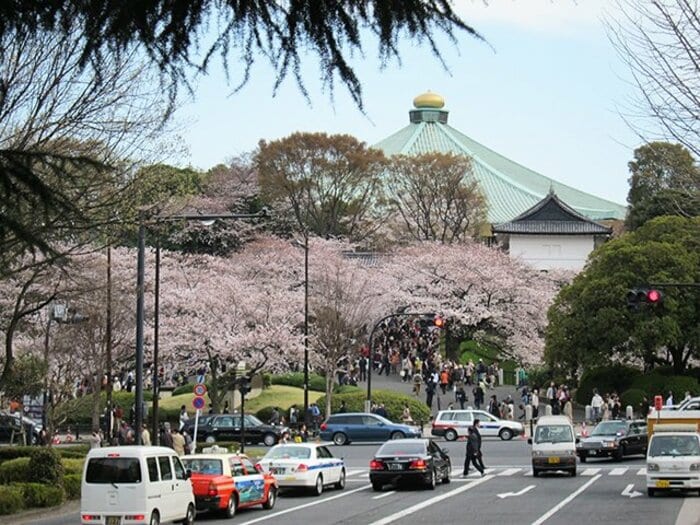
pixel 452 424
pixel 305 465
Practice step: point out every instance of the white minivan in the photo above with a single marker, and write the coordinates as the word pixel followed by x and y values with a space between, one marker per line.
pixel 135 486
pixel 553 445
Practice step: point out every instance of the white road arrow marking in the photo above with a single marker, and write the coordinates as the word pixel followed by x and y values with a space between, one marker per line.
pixel 632 494
pixel 509 494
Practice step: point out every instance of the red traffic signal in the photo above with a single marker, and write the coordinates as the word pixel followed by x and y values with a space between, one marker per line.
pixel 654 296
pixel 439 322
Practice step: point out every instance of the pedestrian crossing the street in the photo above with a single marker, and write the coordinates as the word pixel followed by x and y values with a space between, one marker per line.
pixel 361 475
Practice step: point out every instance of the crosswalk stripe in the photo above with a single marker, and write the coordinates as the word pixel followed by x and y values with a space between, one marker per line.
pixel 353 472
pixel 508 472
pixel 590 472
pixel 617 471
pixel 642 472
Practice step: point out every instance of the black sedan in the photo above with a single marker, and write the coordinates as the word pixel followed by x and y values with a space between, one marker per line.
pixel 409 460
pixel 616 439
pixel 227 427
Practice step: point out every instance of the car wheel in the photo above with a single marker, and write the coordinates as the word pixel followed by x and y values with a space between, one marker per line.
pixel 155 518
pixel 535 472
pixel 318 487
pixel 271 499
pixel 340 485
pixel 619 454
pixel 397 435
pixel 189 517
pixel 572 472
pixel 433 480
pixel 269 440
pixel 339 438
pixel 506 434
pixel 583 457
pixel 210 439
pixel 232 506
pixel 651 492
pixel 376 486
pixel 450 435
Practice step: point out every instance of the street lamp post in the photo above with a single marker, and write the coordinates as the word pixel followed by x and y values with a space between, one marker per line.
pixel 306 324
pixel 140 278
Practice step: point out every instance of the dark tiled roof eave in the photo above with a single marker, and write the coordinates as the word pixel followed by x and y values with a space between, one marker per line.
pixel 552 228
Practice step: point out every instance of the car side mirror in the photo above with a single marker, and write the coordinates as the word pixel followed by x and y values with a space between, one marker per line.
pixel 529 441
pixel 578 440
pixel 188 474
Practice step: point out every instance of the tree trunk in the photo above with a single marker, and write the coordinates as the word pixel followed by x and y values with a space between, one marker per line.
pixel 329 391
pixel 95 414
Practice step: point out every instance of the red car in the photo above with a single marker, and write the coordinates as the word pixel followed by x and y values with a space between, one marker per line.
pixel 228 482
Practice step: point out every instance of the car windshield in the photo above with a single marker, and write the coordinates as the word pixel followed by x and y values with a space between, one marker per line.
pixel 609 428
pixel 289 452
pixel 401 449
pixel 674 446
pixel 204 465
pixel 253 421
pixel 553 434
pixel 113 470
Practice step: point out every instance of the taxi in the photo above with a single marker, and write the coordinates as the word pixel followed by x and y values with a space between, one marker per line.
pixel 304 465
pixel 228 482
pixel 453 424
pixel 673 459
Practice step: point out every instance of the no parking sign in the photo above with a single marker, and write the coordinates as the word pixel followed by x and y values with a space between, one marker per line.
pixel 198 403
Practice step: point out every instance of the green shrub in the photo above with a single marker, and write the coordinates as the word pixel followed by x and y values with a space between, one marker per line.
pixel 11 499
pixel 345 389
pixel 45 467
pixel 14 470
pixel 632 397
pixel 658 384
pixel 41 495
pixel 679 385
pixel 7 453
pixel 78 411
pixel 72 465
pixel 393 402
pixel 187 388
pixel 265 413
pixel 73 451
pixel 71 484
pixel 607 379
pixel 317 382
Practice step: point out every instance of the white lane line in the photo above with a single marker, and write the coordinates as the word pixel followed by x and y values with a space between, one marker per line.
pixel 590 472
pixel 424 504
pixel 356 473
pixel 617 471
pixel 566 500
pixel 384 495
pixel 306 505
pixel 642 472
pixel 508 472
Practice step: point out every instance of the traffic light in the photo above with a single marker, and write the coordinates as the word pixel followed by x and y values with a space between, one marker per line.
pixel 439 322
pixel 639 297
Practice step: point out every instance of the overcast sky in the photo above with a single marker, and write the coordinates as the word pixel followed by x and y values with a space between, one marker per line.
pixel 546 91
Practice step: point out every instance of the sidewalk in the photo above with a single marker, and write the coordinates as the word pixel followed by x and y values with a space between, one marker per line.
pixel 27 517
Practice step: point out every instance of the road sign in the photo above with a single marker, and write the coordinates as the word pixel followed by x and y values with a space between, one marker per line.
pixel 200 389
pixel 198 402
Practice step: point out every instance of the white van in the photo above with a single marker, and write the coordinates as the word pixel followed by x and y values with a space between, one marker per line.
pixel 673 458
pixel 135 486
pixel 553 445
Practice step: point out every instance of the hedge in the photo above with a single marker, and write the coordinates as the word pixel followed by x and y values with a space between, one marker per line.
pixel 14 470
pixel 345 389
pixel 632 397
pixel 71 484
pixel 316 382
pixel 45 467
pixel 393 402
pixel 187 388
pixel 608 379
pixel 9 453
pixel 72 466
pixel 11 499
pixel 41 494
pixel 658 384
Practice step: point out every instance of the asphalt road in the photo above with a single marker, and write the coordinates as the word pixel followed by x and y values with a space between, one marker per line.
pixel 603 492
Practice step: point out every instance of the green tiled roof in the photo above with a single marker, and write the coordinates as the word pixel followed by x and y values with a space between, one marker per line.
pixel 510 188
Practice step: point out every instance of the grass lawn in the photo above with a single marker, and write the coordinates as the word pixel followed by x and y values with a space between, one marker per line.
pixel 281 396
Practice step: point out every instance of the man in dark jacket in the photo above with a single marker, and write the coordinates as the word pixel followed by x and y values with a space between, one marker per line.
pixel 474 450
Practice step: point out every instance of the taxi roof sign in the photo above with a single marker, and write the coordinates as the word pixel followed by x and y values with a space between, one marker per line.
pixel 676 427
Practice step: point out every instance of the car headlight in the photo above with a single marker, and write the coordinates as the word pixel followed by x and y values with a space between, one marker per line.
pixel 695 466
pixel 652 467
pixel 570 453
pixel 610 444
pixel 537 453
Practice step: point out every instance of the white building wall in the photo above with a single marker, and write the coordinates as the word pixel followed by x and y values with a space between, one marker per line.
pixel 552 251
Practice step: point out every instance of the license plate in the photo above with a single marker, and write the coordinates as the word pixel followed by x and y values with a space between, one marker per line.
pixel 277 470
pixel 113 520
pixel 663 484
pixel 395 466
pixel 553 460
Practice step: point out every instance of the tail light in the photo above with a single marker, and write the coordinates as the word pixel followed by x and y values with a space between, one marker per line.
pixel 302 468
pixel 213 491
pixel 259 468
pixel 135 517
pixel 418 464
pixel 91 517
pixel 376 465
pixel 323 426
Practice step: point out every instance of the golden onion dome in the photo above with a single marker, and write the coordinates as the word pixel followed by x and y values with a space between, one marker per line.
pixel 428 100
